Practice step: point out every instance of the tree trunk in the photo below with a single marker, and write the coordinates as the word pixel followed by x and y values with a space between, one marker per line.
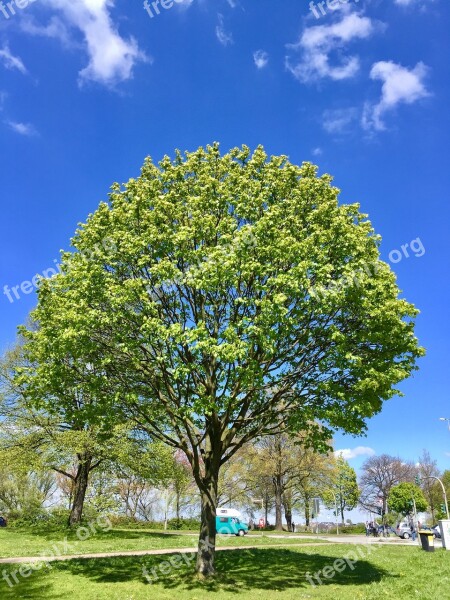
pixel 207 539
pixel 80 488
pixel 177 505
pixel 342 507
pixel 307 511
pixel 278 504
pixel 288 517
pixel 287 503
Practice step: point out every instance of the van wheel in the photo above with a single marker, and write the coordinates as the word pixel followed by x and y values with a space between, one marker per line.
pixel 241 533
pixel 406 536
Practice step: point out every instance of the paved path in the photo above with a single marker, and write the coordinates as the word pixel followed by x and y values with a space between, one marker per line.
pixel 161 551
pixel 319 541
pixel 358 539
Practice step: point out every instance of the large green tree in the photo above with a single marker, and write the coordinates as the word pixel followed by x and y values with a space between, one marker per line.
pixel 238 298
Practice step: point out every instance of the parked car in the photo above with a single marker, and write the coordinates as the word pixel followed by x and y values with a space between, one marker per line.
pixel 437 531
pixel 403 530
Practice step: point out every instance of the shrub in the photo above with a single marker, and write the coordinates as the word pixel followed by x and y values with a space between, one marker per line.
pixel 183 524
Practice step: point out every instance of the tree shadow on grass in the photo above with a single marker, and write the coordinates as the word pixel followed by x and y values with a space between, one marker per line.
pixel 239 570
pixel 57 535
pixel 37 586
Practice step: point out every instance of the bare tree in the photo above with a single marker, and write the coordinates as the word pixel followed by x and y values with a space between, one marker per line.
pixel 379 475
pixel 430 487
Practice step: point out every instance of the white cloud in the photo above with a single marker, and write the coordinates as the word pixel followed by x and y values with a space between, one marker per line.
pixel 10 61
pixel 400 85
pixel 339 120
pixel 111 57
pixel 22 128
pixel 349 453
pixel 317 152
pixel 410 2
pixel 261 59
pixel 317 42
pixel 3 96
pixel 55 28
pixel 184 3
pixel 224 37
pixel 232 3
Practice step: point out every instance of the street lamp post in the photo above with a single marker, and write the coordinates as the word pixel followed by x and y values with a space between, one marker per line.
pixel 445 419
pixel 443 491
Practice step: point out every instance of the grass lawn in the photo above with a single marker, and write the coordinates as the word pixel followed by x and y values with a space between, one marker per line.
pixel 35 541
pixel 388 572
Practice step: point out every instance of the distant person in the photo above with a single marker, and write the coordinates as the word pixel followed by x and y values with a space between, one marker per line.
pixel 251 524
pixel 2 522
pixel 368 528
pixel 413 532
pixel 293 527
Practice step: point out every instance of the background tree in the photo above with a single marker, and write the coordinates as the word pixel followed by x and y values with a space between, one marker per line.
pixel 430 487
pixel 401 498
pixel 343 488
pixel 237 300
pixel 379 475
pixel 54 434
pixel 24 494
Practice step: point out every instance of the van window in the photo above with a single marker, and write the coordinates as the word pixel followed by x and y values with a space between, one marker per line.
pixel 223 520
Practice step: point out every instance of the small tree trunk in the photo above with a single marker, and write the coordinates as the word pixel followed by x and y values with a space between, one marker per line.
pixel 288 517
pixel 177 508
pixel 207 539
pixel 278 504
pixel 307 511
pixel 288 511
pixel 79 493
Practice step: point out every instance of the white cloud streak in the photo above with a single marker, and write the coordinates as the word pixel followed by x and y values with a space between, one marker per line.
pixel 338 121
pixel 10 61
pixel 25 129
pixel 316 44
pixel 224 37
pixel 400 86
pixel 411 2
pixel 261 59
pixel 349 453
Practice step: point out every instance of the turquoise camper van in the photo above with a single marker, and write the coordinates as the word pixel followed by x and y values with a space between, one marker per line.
pixel 230 521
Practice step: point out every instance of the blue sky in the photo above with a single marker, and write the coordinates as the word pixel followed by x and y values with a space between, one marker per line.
pixel 90 87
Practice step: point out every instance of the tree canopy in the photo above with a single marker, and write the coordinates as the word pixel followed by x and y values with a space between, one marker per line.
pixel 235 298
pixel 402 497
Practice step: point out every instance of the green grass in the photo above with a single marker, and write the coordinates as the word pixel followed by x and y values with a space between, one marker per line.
pixel 34 541
pixel 389 572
